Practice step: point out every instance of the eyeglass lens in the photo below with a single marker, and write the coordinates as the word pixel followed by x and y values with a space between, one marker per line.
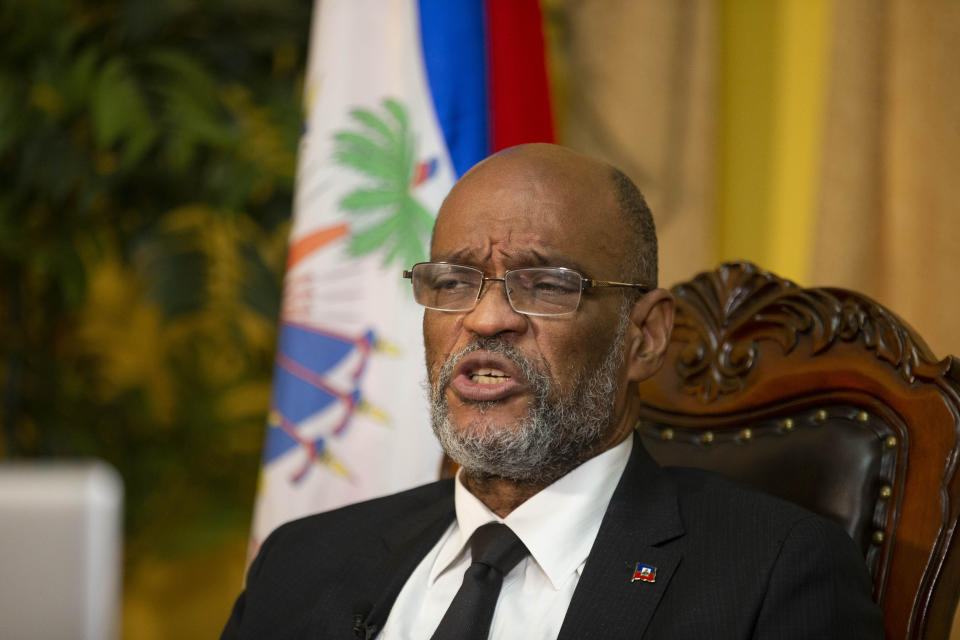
pixel 535 290
pixel 544 291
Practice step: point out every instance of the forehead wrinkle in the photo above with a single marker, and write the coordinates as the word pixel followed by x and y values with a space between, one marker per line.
pixel 469 255
pixel 473 256
pixel 535 258
pixel 515 259
pixel 480 251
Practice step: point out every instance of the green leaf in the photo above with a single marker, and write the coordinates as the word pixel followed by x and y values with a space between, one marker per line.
pixel 80 76
pixel 114 93
pixel 120 113
pixel 409 246
pixel 190 105
pixel 355 143
pixel 418 223
pixel 371 121
pixel 179 150
pixel 365 199
pixel 371 165
pixel 404 230
pixel 138 144
pixel 398 112
pixel 420 217
pixel 188 74
pixel 197 120
pixel 373 238
pixel 392 254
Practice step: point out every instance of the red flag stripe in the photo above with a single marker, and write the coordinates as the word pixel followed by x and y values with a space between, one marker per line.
pixel 519 90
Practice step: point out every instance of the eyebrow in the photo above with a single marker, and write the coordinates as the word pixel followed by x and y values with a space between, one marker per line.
pixel 526 257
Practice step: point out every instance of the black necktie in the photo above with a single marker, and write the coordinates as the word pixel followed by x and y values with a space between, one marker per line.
pixel 495 550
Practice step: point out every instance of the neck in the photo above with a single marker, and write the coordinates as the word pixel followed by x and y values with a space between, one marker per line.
pixel 499 494
pixel 502 495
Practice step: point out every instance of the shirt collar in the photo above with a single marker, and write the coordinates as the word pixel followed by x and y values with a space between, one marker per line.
pixel 558 524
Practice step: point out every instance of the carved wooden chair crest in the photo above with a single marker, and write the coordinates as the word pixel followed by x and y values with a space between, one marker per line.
pixel 826 398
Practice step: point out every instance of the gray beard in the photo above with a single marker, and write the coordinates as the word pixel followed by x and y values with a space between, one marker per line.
pixel 558 433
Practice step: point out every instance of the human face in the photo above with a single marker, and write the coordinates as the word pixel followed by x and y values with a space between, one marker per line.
pixel 510 213
pixel 558 432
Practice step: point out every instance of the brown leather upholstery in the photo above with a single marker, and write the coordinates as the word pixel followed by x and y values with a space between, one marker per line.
pixel 841 448
pixel 823 397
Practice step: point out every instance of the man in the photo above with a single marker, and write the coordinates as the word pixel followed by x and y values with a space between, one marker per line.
pixel 542 314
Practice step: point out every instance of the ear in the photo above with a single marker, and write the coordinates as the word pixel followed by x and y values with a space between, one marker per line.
pixel 651 322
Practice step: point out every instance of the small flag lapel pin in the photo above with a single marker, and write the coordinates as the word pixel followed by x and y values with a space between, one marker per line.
pixel 645 573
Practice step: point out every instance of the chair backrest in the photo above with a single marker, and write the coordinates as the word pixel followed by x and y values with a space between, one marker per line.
pixel 826 398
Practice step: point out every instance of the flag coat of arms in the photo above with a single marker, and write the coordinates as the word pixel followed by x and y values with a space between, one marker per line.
pixel 401 97
pixel 644 573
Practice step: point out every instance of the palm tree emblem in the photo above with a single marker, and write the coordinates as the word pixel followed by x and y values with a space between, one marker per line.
pixel 385 150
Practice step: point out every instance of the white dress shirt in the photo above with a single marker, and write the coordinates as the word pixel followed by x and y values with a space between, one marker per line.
pixel 558 525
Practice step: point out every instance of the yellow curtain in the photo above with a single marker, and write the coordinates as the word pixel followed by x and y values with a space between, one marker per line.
pixel 770 109
pixel 818 138
pixel 636 82
pixel 889 215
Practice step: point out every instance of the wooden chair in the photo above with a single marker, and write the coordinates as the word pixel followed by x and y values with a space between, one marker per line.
pixel 826 398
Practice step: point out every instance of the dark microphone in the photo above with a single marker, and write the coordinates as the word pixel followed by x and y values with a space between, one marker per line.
pixel 361 609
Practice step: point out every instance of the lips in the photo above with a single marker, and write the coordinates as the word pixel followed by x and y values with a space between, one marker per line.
pixel 483 376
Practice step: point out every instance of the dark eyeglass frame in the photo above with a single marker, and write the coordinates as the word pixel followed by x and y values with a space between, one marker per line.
pixel 585 283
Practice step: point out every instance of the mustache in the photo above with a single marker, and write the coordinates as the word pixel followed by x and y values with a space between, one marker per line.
pixel 537 373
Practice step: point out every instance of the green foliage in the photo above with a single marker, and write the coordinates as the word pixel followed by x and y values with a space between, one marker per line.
pixel 385 152
pixel 147 154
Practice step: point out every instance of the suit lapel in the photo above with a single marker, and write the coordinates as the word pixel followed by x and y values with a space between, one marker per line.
pixel 642 515
pixel 406 544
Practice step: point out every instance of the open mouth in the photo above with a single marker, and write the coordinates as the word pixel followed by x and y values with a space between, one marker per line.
pixel 483 376
pixel 487 375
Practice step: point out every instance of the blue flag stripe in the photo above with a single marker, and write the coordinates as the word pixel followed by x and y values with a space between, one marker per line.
pixel 454 53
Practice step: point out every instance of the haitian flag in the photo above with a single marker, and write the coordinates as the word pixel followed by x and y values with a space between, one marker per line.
pixel 401 98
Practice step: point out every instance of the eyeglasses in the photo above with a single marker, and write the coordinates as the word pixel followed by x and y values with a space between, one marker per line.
pixel 533 291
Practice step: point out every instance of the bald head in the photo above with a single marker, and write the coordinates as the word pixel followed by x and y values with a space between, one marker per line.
pixel 546 161
pixel 584 192
pixel 528 207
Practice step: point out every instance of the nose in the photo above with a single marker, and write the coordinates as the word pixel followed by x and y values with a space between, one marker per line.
pixel 493 314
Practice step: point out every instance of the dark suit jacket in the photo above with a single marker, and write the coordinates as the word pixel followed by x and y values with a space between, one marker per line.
pixel 731 563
